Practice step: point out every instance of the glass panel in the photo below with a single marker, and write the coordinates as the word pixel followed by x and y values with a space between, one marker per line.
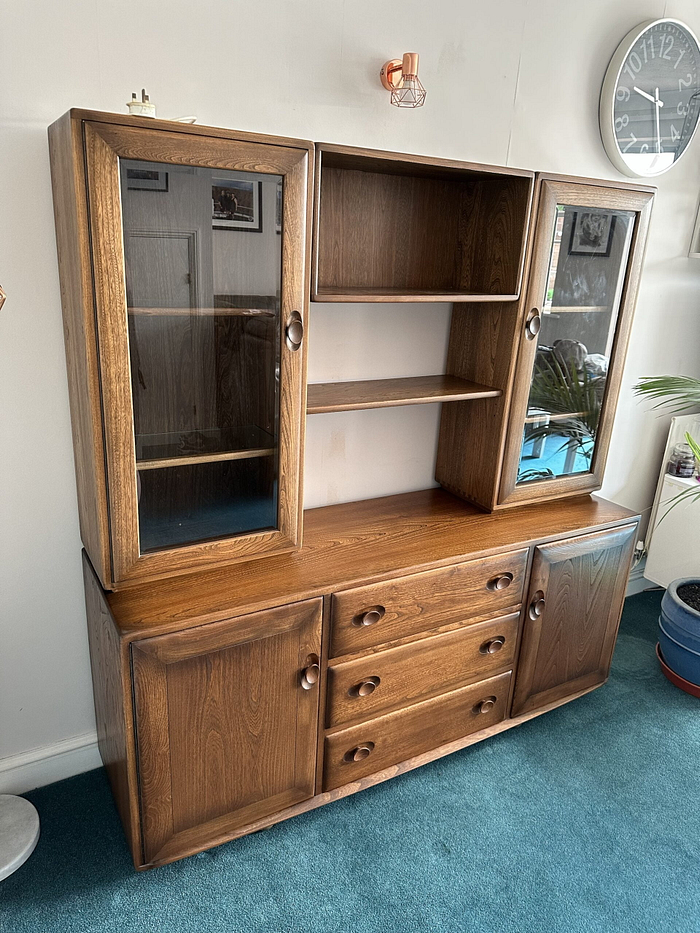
pixel 590 249
pixel 203 270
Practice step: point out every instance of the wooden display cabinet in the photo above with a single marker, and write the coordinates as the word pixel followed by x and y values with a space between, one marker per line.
pixel 184 279
pixel 241 678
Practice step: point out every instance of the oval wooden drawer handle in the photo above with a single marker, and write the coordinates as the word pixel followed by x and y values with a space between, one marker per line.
pixel 310 676
pixel 485 705
pixel 369 616
pixel 501 582
pixel 365 688
pixel 360 752
pixel 493 645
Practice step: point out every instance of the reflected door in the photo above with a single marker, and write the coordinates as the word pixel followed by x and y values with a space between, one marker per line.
pixel 203 306
pixel 578 308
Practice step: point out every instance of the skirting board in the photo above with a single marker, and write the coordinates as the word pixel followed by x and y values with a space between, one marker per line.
pixel 40 766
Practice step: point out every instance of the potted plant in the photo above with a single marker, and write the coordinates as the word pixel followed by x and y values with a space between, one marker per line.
pixel 679 623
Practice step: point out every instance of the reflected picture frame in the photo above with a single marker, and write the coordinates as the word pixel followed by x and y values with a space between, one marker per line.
pixel 591 233
pixel 236 204
pixel 145 178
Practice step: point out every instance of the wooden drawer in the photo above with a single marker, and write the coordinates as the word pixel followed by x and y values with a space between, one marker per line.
pixel 382 612
pixel 367 686
pixel 365 749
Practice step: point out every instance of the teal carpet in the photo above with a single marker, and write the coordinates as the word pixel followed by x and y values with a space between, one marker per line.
pixel 587 819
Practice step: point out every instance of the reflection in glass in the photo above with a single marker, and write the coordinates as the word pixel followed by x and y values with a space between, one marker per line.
pixel 588 259
pixel 203 268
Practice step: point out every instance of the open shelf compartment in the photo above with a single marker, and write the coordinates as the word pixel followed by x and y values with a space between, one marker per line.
pixel 394 227
pixel 387 393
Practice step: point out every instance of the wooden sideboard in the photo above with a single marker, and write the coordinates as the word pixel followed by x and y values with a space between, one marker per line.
pixel 404 629
pixel 252 661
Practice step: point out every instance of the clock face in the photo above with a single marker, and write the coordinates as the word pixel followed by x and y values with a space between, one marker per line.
pixel 650 101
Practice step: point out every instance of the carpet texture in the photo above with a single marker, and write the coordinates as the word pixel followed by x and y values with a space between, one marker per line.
pixel 586 819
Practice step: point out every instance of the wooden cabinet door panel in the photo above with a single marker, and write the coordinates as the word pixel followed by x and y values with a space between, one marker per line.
pixel 577 588
pixel 203 448
pixel 226 732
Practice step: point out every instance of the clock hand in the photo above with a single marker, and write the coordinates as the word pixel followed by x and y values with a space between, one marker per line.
pixel 654 100
pixel 658 105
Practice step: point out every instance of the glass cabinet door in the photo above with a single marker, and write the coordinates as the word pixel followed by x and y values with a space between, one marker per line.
pixel 200 338
pixel 579 293
pixel 202 251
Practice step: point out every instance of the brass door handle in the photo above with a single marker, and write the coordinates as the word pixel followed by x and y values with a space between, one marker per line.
pixel 365 688
pixel 533 324
pixel 360 752
pixel 3 296
pixel 310 676
pixel 485 705
pixel 493 646
pixel 369 616
pixel 294 331
pixel 501 582
pixel 537 605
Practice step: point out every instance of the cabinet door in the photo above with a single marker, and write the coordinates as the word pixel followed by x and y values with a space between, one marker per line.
pixel 199 248
pixel 576 319
pixel 577 588
pixel 226 725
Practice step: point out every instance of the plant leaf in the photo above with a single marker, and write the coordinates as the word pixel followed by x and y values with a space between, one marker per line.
pixel 680 393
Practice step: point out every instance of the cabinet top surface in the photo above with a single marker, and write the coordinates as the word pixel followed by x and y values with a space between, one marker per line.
pixel 173 126
pixel 352 544
pixel 352 157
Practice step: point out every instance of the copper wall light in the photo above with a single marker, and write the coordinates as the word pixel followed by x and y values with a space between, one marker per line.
pixel 401 78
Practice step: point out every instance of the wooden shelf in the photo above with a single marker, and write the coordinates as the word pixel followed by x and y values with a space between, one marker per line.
pixel 387 393
pixel 202 312
pixel 191 459
pixel 557 416
pixel 327 293
pixel 568 309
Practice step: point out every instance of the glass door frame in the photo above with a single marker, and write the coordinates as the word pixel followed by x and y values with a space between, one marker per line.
pixel 104 145
pixel 554 190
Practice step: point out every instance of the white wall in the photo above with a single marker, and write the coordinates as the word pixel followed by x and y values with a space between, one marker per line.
pixel 509 82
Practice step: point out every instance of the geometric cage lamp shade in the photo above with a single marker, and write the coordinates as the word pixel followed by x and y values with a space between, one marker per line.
pixel 401 78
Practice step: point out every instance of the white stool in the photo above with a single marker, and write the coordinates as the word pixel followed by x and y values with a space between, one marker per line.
pixel 19 832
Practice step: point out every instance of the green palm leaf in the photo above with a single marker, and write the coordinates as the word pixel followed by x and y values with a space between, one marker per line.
pixel 680 393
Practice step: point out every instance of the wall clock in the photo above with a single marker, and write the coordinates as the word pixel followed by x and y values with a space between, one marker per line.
pixel 650 99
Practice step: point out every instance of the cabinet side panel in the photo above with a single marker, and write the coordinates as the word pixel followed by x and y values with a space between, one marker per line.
pixel 72 242
pixel 483 339
pixel 112 690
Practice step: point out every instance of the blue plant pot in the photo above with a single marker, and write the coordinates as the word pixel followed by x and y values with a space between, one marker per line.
pixel 679 633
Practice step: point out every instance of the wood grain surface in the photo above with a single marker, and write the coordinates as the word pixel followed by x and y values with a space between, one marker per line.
pixel 354 544
pixel 424 668
pixel 423 601
pixel 388 228
pixel 569 646
pixel 75 275
pixel 225 730
pixel 111 682
pixel 386 393
pixel 405 733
